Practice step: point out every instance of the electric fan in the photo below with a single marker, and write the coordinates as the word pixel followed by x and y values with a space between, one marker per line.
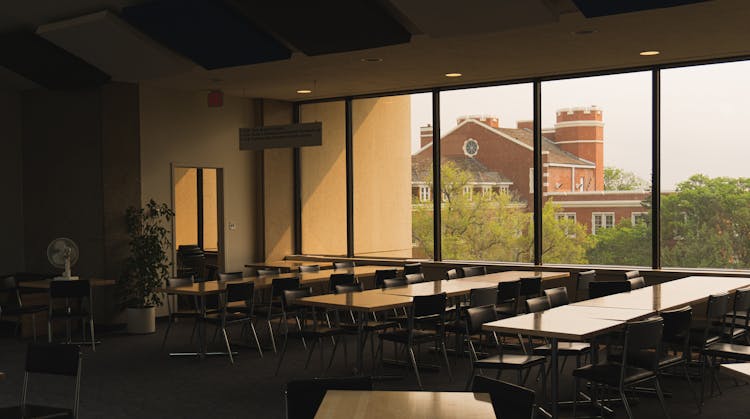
pixel 62 253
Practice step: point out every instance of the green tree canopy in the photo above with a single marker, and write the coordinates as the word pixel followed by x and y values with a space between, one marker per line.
pixel 616 179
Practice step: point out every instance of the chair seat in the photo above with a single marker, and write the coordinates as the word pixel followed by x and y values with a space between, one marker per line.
pixel 729 350
pixel 609 373
pixel 35 411
pixel 371 326
pixel 696 336
pixel 402 336
pixel 645 359
pixel 509 361
pixel 507 311
pixel 563 349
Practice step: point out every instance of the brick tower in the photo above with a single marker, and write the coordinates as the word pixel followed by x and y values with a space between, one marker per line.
pixel 580 131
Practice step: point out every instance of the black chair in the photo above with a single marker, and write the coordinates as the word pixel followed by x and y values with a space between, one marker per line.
pixel 48 359
pixel 582 284
pixel 706 338
pixel 557 296
pixel 343 264
pixel 468 271
pixel 477 297
pixel 737 320
pixel 475 318
pixel 191 260
pixel 538 304
pixel 268 271
pixel 236 308
pixel 180 307
pixel 531 286
pixel 394 282
pixel 229 276
pixel 76 298
pixel 603 288
pixel 412 268
pixel 676 336
pixel 508 400
pixel 508 297
pixel 425 324
pixel 415 278
pixel 309 268
pixel 302 398
pixel 383 274
pixel 637 283
pixel 640 339
pixel 632 274
pixel 308 327
pixel 451 274
pixel 340 279
pixel 9 287
pixel 272 309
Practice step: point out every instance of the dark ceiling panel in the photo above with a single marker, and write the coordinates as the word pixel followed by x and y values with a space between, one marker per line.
pixel 324 27
pixel 46 64
pixel 205 31
pixel 596 8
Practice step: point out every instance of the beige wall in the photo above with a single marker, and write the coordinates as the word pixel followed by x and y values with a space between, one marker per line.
pixel 185 206
pixel 324 182
pixel 11 210
pixel 178 128
pixel 382 176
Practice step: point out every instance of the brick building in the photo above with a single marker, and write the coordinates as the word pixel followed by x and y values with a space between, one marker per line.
pixel 501 159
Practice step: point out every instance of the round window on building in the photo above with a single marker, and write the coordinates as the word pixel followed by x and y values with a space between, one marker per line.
pixel 471 147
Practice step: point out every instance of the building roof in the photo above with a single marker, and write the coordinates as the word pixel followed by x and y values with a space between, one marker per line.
pixel 556 154
pixel 422 170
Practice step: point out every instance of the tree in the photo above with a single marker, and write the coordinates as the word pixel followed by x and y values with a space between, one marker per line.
pixel 616 179
pixel 625 244
pixel 493 225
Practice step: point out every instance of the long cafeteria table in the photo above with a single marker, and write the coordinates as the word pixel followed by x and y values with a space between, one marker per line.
pixel 585 320
pixel 288 265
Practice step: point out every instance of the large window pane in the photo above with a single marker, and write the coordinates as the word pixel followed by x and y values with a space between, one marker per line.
pixel 597 170
pixel 486 168
pixel 323 173
pixel 383 144
pixel 705 180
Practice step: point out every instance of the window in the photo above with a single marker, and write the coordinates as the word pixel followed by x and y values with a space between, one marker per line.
pixel 425 193
pixel 196 207
pixel 639 217
pixel 600 220
pixel 469 192
pixel 565 216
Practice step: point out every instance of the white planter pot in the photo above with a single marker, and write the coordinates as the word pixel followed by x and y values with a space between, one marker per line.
pixel 141 320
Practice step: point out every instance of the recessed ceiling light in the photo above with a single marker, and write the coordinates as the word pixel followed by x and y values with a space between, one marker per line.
pixel 304 91
pixel 649 53
pixel 453 74
pixel 371 60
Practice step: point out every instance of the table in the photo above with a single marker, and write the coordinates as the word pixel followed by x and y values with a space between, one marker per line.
pixel 309 278
pixel 288 265
pixel 740 370
pixel 351 404
pixel 509 276
pixel 452 288
pixel 360 302
pixel 44 283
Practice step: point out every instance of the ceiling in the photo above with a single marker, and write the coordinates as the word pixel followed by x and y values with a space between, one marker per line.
pixel 273 49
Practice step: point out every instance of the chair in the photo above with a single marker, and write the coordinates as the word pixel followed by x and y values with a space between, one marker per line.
pixel 531 286
pixel 308 327
pixel 738 319
pixel 637 283
pixel 676 336
pixel 394 282
pixel 468 271
pixel 451 274
pixel 415 278
pixel 13 291
pixel 48 359
pixel 243 293
pixel 175 312
pixel 302 398
pixel 191 260
pixel 229 276
pixel 603 288
pixel 309 268
pixel 76 298
pixel 508 400
pixel 273 308
pixel 557 296
pixel 477 297
pixel 632 274
pixel 508 294
pixel 383 274
pixel 538 304
pixel 425 310
pixel 412 268
pixel 641 338
pixel 582 284
pixel 705 338
pixel 343 264
pixel 340 279
pixel 475 318
pixel 267 272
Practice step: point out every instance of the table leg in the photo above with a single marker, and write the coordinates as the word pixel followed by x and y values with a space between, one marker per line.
pixel 361 319
pixel 554 379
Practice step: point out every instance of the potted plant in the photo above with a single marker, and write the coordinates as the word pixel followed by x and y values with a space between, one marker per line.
pixel 147 267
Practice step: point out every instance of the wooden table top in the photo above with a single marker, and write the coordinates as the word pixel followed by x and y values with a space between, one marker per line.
pixel 740 370
pixel 349 404
pixel 203 288
pixel 452 288
pixel 291 265
pixel 367 301
pixel 508 276
pixel 322 276
pixel 605 313
pixel 552 324
pixel 44 283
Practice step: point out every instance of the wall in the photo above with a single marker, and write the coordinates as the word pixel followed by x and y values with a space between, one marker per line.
pixel 11 211
pixel 177 128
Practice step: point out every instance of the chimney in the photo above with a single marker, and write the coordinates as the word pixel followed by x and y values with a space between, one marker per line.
pixel 580 131
pixel 528 125
pixel 492 121
pixel 425 135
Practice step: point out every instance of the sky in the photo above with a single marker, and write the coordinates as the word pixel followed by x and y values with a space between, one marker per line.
pixel 704 111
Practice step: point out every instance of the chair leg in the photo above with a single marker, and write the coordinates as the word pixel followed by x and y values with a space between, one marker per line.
pixel 270 333
pixel 49 331
pixel 310 351
pixel 714 366
pixel 255 336
pixel 703 377
pixel 33 325
pixel 471 377
pixel 226 342
pixel 626 404
pixel 166 333
pixel 283 352
pixel 333 353
pixel 416 369
pixel 447 363
pixel 93 339
pixel 660 394
pixel 690 384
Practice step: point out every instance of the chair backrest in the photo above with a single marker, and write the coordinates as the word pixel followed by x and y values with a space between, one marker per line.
pixel 412 268
pixel 343 264
pixel 741 304
pixel 677 327
pixel 414 278
pixel 288 297
pixel 509 401
pixel 582 284
pixel 482 296
pixel 451 274
pixel 53 359
pixel 240 291
pixel 537 304
pixel 303 397
pixel 602 288
pixel 394 282
pixel 632 274
pixel 79 288
pixel 211 271
pixel 383 274
pixel 309 268
pixel 344 288
pixel 557 296
pixel 227 276
pixel 468 271
pixel 278 285
pixel 477 316
pixel 637 282
pixel 509 293
pixel 428 305
pixel 531 286
pixel 643 337
pixel 340 279
pixel 180 282
pixel 268 271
